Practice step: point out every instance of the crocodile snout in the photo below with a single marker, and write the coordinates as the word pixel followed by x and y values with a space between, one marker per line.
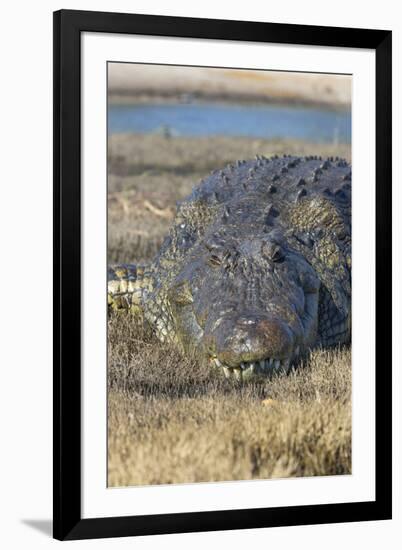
pixel 253 341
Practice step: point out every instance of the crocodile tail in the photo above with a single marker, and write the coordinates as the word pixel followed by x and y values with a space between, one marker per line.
pixel 128 286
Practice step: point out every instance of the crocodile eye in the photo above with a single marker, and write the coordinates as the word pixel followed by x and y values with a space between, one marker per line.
pixel 272 251
pixel 215 260
pixel 216 253
pixel 217 257
pixel 180 294
pixel 341 234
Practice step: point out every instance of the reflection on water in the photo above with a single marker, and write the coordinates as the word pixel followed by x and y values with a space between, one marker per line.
pixel 263 121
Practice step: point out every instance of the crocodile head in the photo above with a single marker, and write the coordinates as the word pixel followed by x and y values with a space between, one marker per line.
pixel 246 302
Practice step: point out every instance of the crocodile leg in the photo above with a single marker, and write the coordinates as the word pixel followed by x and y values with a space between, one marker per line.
pixel 128 285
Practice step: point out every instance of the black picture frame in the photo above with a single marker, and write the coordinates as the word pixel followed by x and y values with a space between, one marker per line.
pixel 68 27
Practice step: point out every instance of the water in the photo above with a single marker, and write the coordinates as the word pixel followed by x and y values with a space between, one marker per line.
pixel 265 121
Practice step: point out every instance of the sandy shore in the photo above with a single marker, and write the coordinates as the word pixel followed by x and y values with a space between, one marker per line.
pixel 136 83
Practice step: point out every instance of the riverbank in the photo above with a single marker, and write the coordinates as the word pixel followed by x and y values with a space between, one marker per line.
pixel 147 84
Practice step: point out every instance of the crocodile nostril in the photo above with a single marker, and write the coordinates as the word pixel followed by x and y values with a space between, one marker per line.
pixel 252 338
pixel 248 321
pixel 276 334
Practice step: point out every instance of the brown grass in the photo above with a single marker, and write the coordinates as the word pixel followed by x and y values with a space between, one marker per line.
pixel 172 421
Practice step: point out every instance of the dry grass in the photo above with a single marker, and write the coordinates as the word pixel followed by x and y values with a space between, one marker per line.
pixel 172 421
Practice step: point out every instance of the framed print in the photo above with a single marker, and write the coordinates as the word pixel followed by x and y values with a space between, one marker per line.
pixel 205 302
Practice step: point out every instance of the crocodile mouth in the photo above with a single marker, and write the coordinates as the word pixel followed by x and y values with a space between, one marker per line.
pixel 253 369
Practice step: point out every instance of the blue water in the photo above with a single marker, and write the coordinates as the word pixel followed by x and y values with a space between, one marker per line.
pixel 266 121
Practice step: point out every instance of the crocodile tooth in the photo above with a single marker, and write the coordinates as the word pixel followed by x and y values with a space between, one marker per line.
pixel 297 350
pixel 286 365
pixel 247 373
pixel 217 362
pixel 250 369
pixel 227 372
pixel 277 364
pixel 243 366
pixel 238 373
pixel 262 364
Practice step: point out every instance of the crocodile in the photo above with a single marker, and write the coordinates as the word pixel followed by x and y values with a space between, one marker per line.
pixel 256 269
